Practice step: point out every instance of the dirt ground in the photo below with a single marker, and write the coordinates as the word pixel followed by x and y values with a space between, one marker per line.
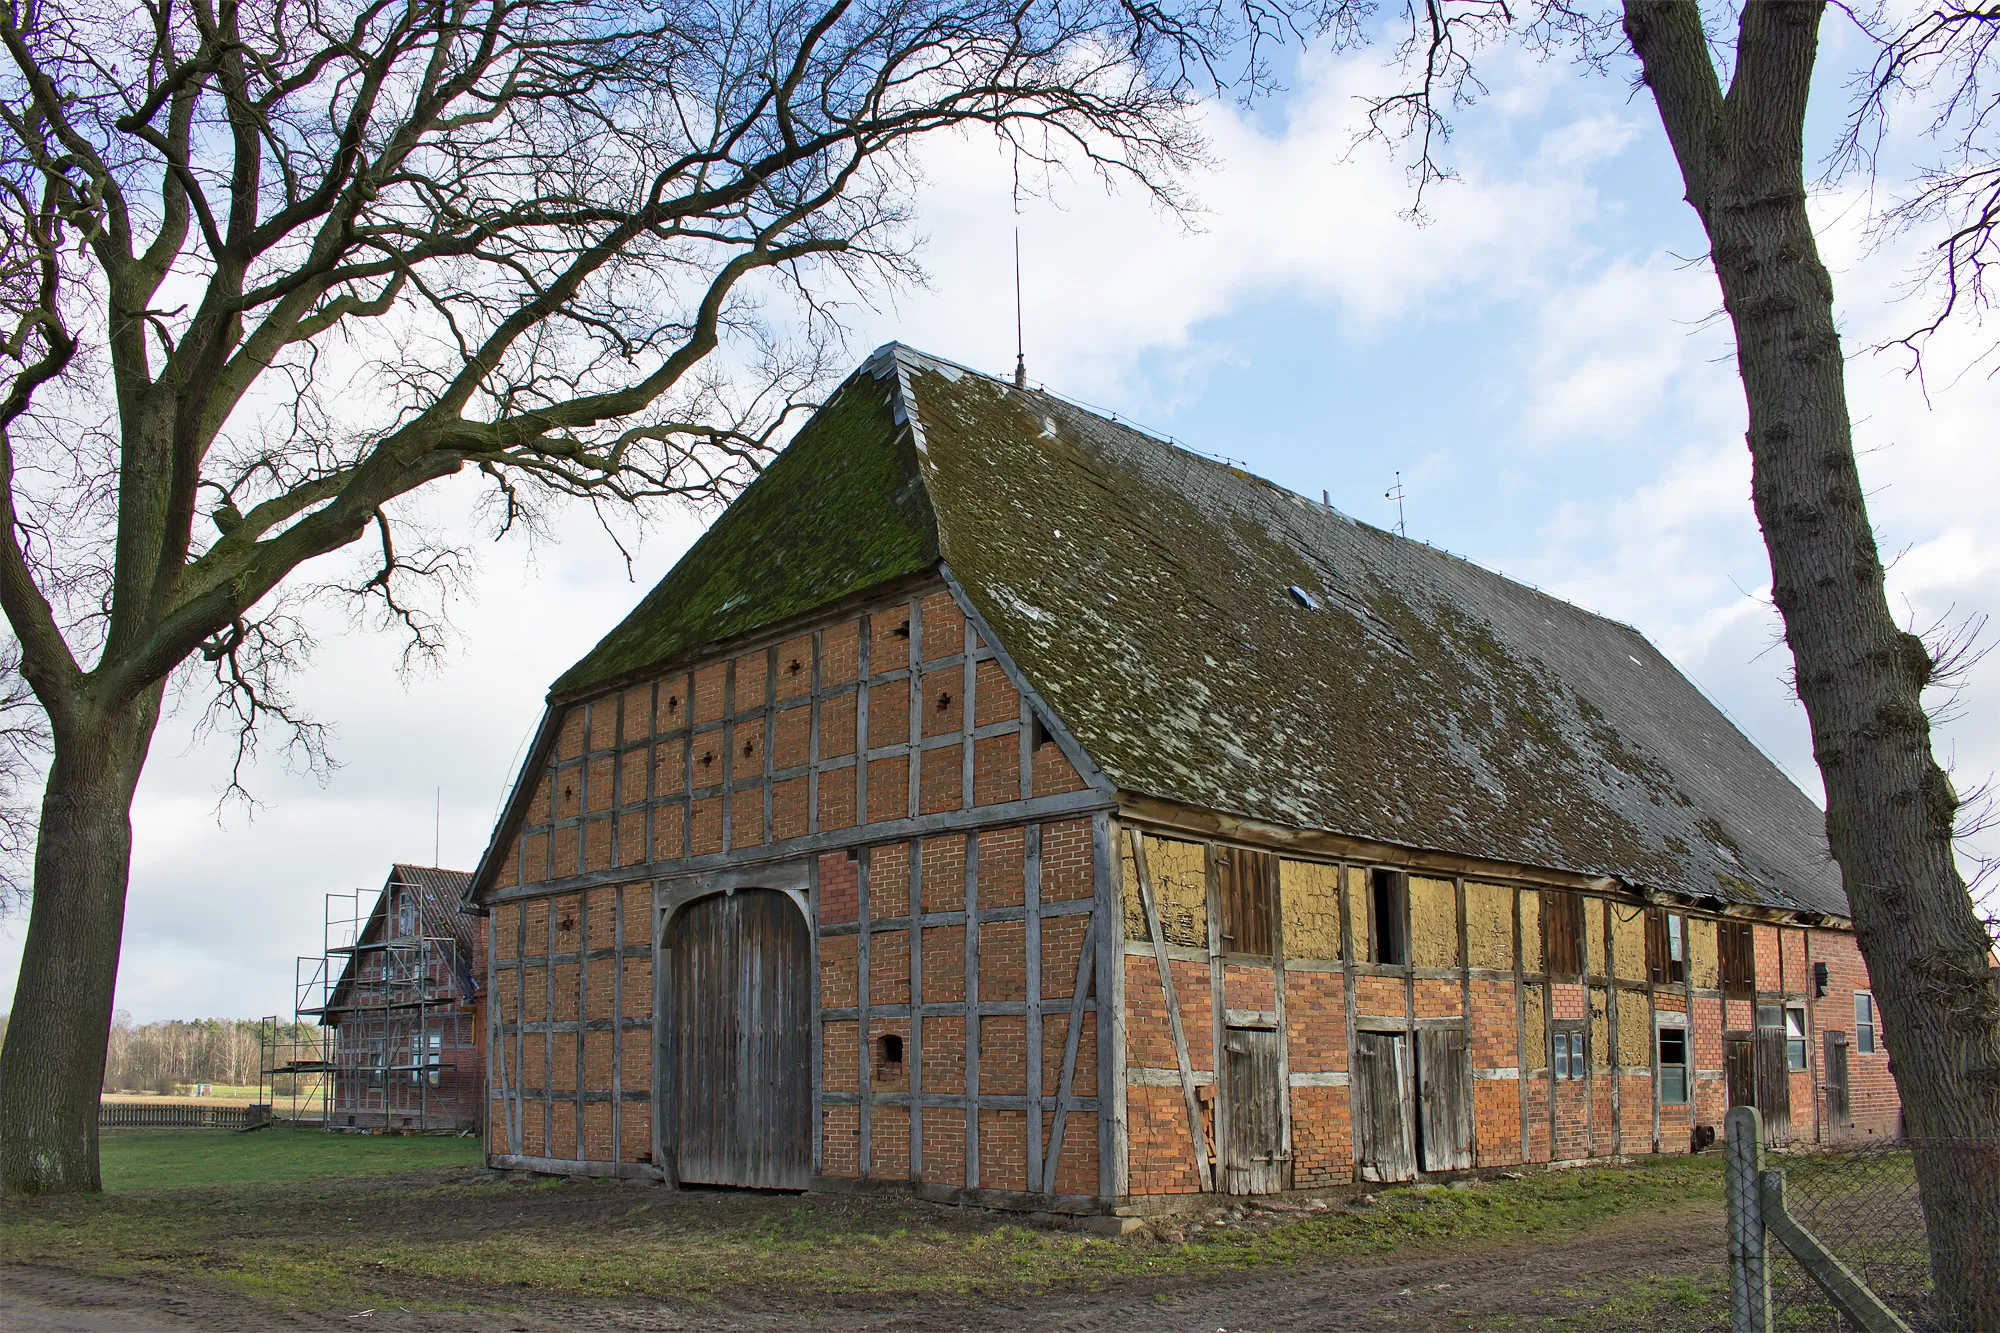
pixel 1623 1272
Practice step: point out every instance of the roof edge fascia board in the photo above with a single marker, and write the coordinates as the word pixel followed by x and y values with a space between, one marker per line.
pixel 508 827
pixel 1066 741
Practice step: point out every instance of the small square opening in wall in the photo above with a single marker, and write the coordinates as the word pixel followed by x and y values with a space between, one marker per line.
pixel 888 1055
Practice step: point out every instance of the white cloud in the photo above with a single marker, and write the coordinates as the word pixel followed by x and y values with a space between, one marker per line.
pixel 1586 391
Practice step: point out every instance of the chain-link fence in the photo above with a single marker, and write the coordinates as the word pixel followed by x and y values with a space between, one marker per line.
pixel 1860 1204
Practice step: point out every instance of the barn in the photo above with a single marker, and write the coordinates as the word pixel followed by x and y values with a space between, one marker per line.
pixel 1002 804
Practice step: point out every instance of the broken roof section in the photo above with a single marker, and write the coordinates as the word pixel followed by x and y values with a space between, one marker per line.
pixel 1147 593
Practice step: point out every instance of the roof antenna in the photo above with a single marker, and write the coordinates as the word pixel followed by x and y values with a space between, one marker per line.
pixel 1396 493
pixel 1020 346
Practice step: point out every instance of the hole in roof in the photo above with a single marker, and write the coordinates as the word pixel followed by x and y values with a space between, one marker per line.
pixel 1303 598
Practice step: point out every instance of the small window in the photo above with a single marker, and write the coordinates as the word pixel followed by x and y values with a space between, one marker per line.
pixel 1388 917
pixel 1566 1053
pixel 1864 1021
pixel 1737 956
pixel 1303 598
pixel 889 1046
pixel 1770 1015
pixel 1562 933
pixel 1795 1039
pixel 1673 1067
pixel 1038 734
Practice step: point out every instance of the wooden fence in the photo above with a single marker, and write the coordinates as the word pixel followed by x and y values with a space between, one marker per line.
pixel 141 1115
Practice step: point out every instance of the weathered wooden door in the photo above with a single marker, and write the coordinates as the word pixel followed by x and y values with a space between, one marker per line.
pixel 1253 1157
pixel 1444 1097
pixel 739 1037
pixel 1739 1069
pixel 1385 1141
pixel 1774 1084
pixel 1839 1115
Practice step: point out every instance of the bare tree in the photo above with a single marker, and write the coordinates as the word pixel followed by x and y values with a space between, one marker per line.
pixel 24 744
pixel 1731 88
pixel 271 266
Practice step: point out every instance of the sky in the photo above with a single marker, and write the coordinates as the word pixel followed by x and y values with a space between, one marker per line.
pixel 1542 365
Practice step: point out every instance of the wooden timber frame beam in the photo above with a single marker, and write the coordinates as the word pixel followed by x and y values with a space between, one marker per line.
pixel 1151 906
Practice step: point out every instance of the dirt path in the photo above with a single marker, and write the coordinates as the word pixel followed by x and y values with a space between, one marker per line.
pixel 1519 1283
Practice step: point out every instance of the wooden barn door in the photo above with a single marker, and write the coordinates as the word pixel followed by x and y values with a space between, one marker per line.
pixel 1444 1080
pixel 739 1029
pixel 1774 1084
pixel 1839 1112
pixel 1254 1155
pixel 1385 1142
pixel 1739 1069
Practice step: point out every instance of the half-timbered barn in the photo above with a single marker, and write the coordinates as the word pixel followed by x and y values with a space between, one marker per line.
pixel 1002 803
pixel 407 1008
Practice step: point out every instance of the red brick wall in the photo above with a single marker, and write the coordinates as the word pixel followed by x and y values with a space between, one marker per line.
pixel 1521 1113
pixel 571 986
pixel 854 725
pixel 1031 887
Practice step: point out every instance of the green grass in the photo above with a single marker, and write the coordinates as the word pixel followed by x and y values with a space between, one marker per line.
pixel 302 1219
pixel 157 1159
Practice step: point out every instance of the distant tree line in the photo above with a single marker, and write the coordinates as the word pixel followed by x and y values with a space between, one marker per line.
pixel 159 1057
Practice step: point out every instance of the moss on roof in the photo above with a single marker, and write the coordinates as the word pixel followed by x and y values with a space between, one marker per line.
pixel 839 510
pixel 1144 592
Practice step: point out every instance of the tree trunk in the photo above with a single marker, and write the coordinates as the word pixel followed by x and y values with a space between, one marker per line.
pixel 52 1065
pixel 1890 808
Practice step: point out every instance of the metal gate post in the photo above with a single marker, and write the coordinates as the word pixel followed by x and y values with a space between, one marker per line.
pixel 1749 1265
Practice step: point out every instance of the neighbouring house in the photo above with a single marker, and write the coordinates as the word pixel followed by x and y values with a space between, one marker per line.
pixel 1004 804
pixel 406 1006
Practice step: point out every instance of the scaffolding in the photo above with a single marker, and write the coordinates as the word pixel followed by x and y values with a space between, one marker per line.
pixel 391 1002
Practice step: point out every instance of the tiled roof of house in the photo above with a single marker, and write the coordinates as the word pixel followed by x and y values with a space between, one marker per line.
pixel 444 911
pixel 1215 640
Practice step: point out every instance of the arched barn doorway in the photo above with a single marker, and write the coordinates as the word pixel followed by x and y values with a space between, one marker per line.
pixel 739 1041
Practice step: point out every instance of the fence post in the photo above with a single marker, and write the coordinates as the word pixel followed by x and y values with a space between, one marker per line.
pixel 1749 1263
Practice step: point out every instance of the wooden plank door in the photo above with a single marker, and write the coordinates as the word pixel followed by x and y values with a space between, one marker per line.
pixel 1774 1084
pixel 1444 1098
pixel 739 1032
pixel 1385 1141
pixel 1839 1112
pixel 1739 1069
pixel 1253 1156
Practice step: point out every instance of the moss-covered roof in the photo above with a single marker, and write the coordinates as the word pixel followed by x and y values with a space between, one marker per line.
pixel 1411 697
pixel 841 509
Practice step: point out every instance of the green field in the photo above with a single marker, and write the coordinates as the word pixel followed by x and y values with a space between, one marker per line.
pixel 163 1159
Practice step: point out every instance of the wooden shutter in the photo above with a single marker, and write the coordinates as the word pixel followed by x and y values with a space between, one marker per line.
pixel 1243 893
pixel 1658 963
pixel 1562 933
pixel 1738 958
